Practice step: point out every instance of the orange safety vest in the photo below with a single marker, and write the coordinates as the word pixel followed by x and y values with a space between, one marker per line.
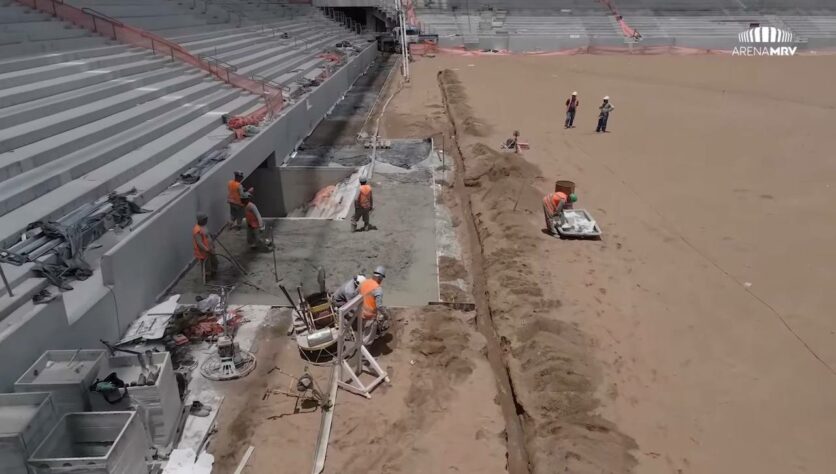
pixel 234 192
pixel 199 253
pixel 252 220
pixel 369 302
pixel 553 199
pixel 364 199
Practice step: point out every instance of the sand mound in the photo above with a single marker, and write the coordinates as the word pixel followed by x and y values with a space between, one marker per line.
pixel 457 98
pixel 443 352
pixel 554 376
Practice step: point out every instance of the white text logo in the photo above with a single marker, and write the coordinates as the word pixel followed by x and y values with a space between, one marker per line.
pixel 764 41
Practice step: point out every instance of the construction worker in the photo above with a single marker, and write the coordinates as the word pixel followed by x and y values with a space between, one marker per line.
pixel 553 206
pixel 347 291
pixel 513 143
pixel 376 321
pixel 363 206
pixel 204 248
pixel 235 190
pixel 255 224
pixel 604 114
pixel 572 104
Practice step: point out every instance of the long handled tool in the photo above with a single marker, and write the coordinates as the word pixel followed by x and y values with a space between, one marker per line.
pixel 301 316
pixel 273 248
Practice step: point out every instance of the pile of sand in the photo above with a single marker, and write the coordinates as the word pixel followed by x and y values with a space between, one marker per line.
pixel 552 372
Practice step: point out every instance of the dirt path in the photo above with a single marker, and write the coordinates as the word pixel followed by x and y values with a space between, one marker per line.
pixel 439 414
pixel 694 337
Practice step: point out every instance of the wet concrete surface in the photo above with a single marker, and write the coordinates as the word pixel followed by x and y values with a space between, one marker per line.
pixel 403 242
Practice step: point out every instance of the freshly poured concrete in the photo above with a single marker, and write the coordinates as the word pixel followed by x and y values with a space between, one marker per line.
pixel 404 242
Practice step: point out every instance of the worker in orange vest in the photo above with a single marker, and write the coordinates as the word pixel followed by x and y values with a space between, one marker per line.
pixel 255 224
pixel 375 318
pixel 363 206
pixel 235 191
pixel 204 248
pixel 553 206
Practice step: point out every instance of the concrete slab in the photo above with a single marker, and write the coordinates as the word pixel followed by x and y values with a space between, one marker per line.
pixel 404 242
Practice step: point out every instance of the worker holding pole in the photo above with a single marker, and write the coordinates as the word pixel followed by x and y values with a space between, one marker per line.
pixel 204 249
pixel 255 225
pixel 235 191
pixel 363 206
pixel 553 206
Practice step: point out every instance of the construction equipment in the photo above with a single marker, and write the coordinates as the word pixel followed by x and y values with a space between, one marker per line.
pixel 577 223
pixel 303 388
pixel 230 361
pixel 315 323
pixel 57 247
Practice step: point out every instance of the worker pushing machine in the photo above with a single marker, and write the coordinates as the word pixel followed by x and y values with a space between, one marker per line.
pixel 204 248
pixel 375 317
pixel 235 191
pixel 553 207
pixel 604 115
pixel 255 225
pixel 363 206
pixel 572 104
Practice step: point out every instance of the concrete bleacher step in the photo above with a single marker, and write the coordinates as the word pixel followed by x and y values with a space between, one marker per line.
pixel 29 132
pixel 240 45
pixel 59 102
pixel 27 162
pixel 26 76
pixel 28 62
pixel 36 90
pixel 170 138
pixel 258 53
pixel 266 59
pixel 23 47
pixel 307 70
pixel 15 13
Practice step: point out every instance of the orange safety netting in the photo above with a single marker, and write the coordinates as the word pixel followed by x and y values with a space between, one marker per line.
pixel 104 25
pixel 639 50
pixel 635 50
pixel 423 49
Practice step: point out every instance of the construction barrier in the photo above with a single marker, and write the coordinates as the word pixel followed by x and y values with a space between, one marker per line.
pixel 423 49
pixel 114 29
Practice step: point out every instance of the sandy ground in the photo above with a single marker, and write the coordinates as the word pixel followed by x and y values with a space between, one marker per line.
pixel 434 360
pixel 696 335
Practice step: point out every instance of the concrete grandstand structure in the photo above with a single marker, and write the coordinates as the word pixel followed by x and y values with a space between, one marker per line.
pixel 543 25
pixel 84 115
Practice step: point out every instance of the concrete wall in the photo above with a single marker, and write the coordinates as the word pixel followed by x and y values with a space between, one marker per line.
pixel 154 251
pixel 138 280
pixel 281 190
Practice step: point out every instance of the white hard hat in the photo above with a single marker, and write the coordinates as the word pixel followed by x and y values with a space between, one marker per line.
pixel 359 279
pixel 380 271
pixel 606 97
pixel 575 93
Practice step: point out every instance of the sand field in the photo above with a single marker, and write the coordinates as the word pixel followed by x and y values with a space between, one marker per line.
pixel 696 336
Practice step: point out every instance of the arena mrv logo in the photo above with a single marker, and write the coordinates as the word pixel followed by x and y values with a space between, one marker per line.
pixel 765 41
